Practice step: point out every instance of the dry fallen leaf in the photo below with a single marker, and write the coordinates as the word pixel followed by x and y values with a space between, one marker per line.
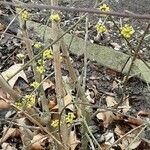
pixel 125 106
pixel 129 140
pixel 118 131
pixel 6 146
pixel 38 141
pixel 67 100
pixel 9 133
pixel 107 117
pixel 109 137
pixel 3 105
pixel 13 69
pixel 73 141
pixel 47 84
pixel 88 96
pixel 110 101
pixel 2 27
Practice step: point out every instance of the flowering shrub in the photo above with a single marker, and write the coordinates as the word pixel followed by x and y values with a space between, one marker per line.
pixel 27 102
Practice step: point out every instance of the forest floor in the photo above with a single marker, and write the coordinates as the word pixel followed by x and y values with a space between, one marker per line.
pixel 103 85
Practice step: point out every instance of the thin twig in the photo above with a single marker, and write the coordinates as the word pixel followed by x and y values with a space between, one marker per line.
pixel 120 139
pixel 128 147
pixel 85 10
pixel 85 52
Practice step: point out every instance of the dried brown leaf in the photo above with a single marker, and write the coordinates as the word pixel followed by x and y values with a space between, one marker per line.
pixel 6 146
pixel 118 131
pixel 47 84
pixel 129 139
pixel 38 141
pixel 13 69
pixel 73 141
pixel 9 133
pixel 109 137
pixel 67 100
pixel 107 117
pixel 2 27
pixel 110 101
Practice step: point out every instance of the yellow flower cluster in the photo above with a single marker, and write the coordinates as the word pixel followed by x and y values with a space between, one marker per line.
pixel 55 17
pixel 40 69
pixel 19 105
pixel 41 62
pixel 100 28
pixel 35 85
pixel 104 8
pixel 30 100
pixel 47 54
pixel 55 123
pixel 127 31
pixel 27 102
pixel 24 15
pixel 69 119
pixel 37 45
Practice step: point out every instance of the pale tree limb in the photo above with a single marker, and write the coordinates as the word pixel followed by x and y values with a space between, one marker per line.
pixel 58 75
pixel 84 10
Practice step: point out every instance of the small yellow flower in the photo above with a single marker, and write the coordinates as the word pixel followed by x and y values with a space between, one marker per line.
pixel 37 45
pixel 41 62
pixel 100 28
pixel 30 100
pixel 40 69
pixel 104 8
pixel 55 123
pixel 18 105
pixel 70 117
pixel 35 85
pixel 55 17
pixel 25 15
pixel 27 102
pixel 47 54
pixel 127 31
